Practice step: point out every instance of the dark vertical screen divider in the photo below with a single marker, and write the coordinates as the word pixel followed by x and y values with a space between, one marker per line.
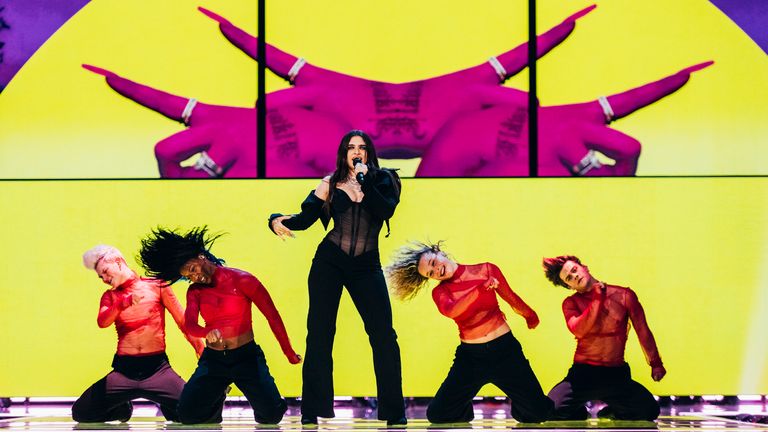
pixel 533 123
pixel 261 104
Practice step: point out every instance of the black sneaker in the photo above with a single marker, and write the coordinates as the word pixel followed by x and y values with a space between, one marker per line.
pixel 402 421
pixel 309 420
pixel 606 413
pixel 126 411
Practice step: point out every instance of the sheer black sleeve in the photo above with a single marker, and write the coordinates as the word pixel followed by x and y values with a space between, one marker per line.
pixel 311 210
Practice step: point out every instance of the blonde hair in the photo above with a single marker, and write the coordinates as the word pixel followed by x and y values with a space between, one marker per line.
pixel 92 256
pixel 405 281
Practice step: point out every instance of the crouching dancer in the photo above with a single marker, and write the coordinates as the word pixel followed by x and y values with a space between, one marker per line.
pixel 223 297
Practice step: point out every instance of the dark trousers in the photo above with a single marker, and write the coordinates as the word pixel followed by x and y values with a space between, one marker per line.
pixel 500 362
pixel 626 399
pixel 148 377
pixel 203 397
pixel 331 270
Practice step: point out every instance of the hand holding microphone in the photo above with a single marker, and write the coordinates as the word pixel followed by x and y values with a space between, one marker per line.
pixel 360 169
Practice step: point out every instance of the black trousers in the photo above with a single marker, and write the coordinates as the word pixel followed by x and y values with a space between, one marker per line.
pixel 331 270
pixel 132 377
pixel 627 399
pixel 203 397
pixel 500 362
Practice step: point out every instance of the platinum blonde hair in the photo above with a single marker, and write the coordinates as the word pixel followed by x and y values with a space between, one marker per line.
pixel 92 256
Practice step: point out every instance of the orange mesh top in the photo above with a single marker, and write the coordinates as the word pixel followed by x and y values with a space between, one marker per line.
pixel 466 299
pixel 601 326
pixel 140 327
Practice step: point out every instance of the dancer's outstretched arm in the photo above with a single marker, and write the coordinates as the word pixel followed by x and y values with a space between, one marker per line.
pixel 645 336
pixel 258 294
pixel 515 301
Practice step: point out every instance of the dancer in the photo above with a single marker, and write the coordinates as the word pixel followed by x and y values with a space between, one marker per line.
pixel 359 196
pixel 223 297
pixel 488 352
pixel 140 368
pixel 598 315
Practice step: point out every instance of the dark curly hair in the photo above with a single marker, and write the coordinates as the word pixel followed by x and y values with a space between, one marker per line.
pixel 553 266
pixel 164 252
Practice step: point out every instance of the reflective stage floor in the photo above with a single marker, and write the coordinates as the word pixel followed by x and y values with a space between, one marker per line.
pixel 358 415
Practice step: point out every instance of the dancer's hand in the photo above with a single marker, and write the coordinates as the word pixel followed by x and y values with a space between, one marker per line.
pixel 600 289
pixel 492 283
pixel 213 336
pixel 281 230
pixel 658 372
pixel 131 300
pixel 296 359
pixel 532 320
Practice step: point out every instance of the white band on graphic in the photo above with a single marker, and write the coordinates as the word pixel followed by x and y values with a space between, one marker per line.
pixel 294 71
pixel 499 68
pixel 205 163
pixel 586 164
pixel 187 113
pixel 607 110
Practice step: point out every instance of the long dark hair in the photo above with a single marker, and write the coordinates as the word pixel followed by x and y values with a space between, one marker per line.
pixel 164 251
pixel 342 169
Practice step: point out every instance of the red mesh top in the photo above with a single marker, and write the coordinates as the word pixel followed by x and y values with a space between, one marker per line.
pixel 226 305
pixel 141 327
pixel 601 326
pixel 466 299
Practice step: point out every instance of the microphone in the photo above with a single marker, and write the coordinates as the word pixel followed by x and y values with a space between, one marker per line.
pixel 360 176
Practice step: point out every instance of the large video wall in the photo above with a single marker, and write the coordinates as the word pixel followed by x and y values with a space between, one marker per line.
pixel 624 88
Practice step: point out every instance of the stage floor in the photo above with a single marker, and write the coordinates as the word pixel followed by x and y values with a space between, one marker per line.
pixel 359 417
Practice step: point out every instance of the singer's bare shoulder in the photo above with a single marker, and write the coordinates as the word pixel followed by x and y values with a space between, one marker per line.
pixel 322 189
